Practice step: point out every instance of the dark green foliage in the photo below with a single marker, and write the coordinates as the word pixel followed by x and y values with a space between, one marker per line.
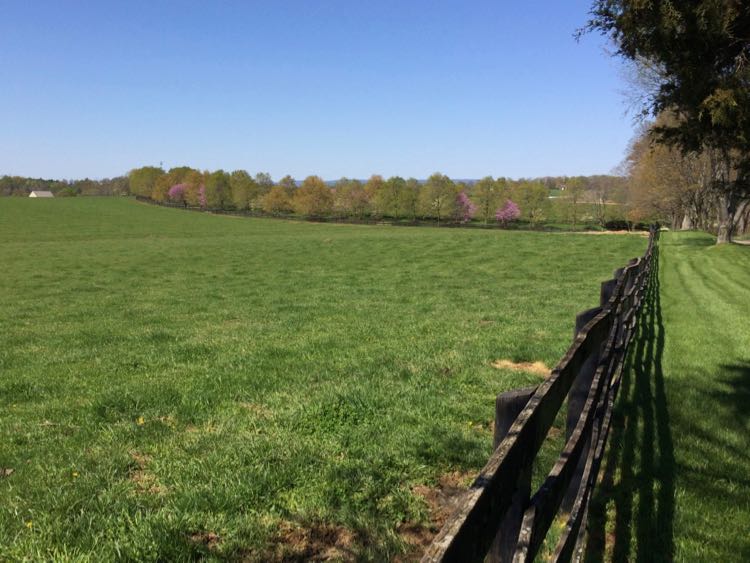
pixel 701 51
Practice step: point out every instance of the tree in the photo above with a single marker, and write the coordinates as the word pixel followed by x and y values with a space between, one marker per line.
pixel 350 198
pixel 438 197
pixel 487 196
pixel 289 184
pixel 264 184
pixel 407 200
pixel 313 198
pixel 161 187
pixel 177 193
pixel 277 201
pixel 465 208
pixel 507 213
pixel 608 194
pixel 668 185
pixel 533 198
pixel 118 185
pixel 217 189
pixel 242 188
pixel 195 192
pixel 698 52
pixel 373 192
pixel 87 187
pixel 388 200
pixel 574 190
pixel 142 180
pixel 384 199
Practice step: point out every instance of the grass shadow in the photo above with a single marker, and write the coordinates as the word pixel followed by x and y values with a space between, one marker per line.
pixel 695 241
pixel 636 492
pixel 738 398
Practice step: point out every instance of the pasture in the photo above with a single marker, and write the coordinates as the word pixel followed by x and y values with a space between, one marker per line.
pixel 177 384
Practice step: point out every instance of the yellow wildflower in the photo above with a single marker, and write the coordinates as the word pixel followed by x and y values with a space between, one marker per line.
pixel 140 421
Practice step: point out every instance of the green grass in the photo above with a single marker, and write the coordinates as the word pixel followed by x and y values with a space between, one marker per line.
pixel 677 481
pixel 176 385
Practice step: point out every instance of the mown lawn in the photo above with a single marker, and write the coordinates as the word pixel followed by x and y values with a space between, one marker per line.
pixel 176 385
pixel 677 482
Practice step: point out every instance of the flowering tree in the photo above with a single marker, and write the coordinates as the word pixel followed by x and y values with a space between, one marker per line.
pixel 202 196
pixel 507 213
pixel 465 208
pixel 177 193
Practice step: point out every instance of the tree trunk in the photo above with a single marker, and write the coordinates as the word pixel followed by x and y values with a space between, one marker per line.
pixel 743 217
pixel 726 210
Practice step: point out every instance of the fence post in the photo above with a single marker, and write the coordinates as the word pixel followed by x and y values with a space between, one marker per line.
pixel 508 406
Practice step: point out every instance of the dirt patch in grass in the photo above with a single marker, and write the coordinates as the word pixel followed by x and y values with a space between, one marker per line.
pixel 441 500
pixel 537 368
pixel 209 540
pixel 314 542
pixel 144 480
pixel 259 410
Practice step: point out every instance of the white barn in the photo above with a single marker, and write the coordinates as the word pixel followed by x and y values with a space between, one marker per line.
pixel 38 193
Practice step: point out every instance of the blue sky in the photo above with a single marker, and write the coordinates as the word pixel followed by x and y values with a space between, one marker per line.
pixel 335 88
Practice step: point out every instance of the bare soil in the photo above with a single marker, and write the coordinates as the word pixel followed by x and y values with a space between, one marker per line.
pixel 537 368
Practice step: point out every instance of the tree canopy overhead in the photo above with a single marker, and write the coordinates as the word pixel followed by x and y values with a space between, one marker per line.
pixel 700 52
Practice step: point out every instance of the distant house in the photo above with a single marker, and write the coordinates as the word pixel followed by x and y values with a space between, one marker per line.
pixel 41 194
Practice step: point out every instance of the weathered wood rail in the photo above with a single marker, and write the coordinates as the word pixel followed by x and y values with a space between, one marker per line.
pixel 498 517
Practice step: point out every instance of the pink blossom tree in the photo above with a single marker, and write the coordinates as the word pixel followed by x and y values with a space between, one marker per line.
pixel 507 213
pixel 465 208
pixel 177 193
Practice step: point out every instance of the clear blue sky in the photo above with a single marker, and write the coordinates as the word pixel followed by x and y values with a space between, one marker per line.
pixel 328 87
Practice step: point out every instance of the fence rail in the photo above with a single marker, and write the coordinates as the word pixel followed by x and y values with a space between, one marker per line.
pixel 498 516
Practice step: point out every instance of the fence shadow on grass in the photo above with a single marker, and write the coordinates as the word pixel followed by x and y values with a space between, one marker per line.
pixel 739 383
pixel 640 461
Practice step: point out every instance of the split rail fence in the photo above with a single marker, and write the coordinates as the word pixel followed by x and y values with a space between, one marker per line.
pixel 498 518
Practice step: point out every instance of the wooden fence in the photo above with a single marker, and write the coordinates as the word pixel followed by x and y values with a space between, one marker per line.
pixel 498 517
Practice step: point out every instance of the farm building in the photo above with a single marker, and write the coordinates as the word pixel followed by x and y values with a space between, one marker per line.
pixel 41 194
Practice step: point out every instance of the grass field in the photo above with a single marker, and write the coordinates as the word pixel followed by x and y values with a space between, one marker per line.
pixel 176 385
pixel 677 481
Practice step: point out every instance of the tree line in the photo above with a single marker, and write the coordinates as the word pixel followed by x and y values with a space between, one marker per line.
pixel 553 200
pixel 21 186
pixel 438 198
